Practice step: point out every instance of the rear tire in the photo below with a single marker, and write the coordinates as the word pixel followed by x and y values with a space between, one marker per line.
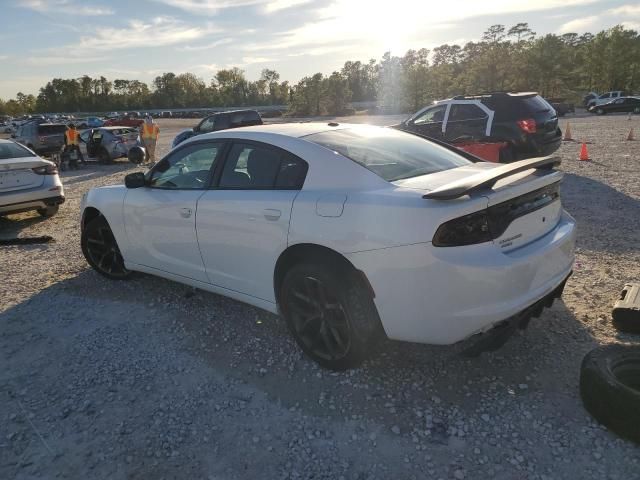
pixel 101 250
pixel 48 211
pixel 330 314
pixel 636 110
pixel 610 388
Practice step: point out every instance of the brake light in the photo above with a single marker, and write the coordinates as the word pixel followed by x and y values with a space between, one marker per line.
pixel 467 230
pixel 528 125
pixel 46 170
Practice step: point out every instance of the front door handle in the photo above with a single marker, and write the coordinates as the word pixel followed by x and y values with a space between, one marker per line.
pixel 271 214
pixel 185 212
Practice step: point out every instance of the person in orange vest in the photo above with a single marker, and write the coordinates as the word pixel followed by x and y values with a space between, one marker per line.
pixel 149 134
pixel 72 144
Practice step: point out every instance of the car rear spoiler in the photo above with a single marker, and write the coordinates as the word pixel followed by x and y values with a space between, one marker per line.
pixel 487 179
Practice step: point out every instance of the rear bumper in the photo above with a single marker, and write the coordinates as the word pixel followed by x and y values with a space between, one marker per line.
pixel 437 295
pixel 536 146
pixel 32 204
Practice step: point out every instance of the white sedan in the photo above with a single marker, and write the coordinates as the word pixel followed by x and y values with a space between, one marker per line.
pixel 351 232
pixel 28 182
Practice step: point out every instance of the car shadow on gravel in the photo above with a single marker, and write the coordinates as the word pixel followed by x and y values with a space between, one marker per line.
pixel 608 220
pixel 12 225
pixel 93 171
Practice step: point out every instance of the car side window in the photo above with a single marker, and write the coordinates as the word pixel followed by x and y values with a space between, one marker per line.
pixel 461 112
pixel 186 169
pixel 434 114
pixel 257 167
pixel 618 101
pixel 207 125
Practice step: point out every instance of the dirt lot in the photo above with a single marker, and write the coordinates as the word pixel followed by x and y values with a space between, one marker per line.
pixel 145 379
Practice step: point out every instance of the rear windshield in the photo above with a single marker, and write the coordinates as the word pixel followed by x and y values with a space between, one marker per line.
pixel 51 129
pixel 13 150
pixel 536 104
pixel 390 154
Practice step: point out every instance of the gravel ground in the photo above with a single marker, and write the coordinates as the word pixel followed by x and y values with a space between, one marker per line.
pixel 150 379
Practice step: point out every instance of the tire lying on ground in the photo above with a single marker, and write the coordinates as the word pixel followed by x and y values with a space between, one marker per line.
pixel 610 388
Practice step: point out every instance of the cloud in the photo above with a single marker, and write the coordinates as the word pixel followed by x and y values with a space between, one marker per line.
pixel 631 10
pixel 66 7
pixel 207 7
pixel 157 32
pixel 252 60
pixel 217 43
pixel 375 27
pixel 48 60
pixel 578 25
pixel 277 5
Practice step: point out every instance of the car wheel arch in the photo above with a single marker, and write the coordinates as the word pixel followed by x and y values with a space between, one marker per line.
pixel 88 214
pixel 313 253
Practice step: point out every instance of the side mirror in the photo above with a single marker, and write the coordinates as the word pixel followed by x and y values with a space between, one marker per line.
pixel 135 180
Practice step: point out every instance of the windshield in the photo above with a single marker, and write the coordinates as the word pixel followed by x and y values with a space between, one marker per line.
pixel 390 154
pixel 13 150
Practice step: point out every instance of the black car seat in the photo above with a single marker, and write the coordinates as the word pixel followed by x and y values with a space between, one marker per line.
pixel 263 166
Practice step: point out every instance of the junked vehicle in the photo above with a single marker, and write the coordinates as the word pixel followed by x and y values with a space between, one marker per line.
pixel 351 232
pixel 108 143
pixel 28 182
pixel 41 137
pixel 619 105
pixel 524 121
pixel 220 121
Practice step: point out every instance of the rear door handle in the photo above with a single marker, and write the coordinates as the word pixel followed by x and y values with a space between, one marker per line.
pixel 271 214
pixel 185 212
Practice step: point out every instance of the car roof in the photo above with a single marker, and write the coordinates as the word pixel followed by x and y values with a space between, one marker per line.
pixel 228 112
pixel 114 127
pixel 296 130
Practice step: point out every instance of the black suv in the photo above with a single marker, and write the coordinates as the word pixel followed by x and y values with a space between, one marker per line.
pixel 220 121
pixel 526 121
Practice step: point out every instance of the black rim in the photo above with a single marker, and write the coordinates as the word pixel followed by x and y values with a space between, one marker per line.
pixel 319 319
pixel 104 252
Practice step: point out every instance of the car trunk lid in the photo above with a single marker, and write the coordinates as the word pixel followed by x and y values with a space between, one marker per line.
pixel 17 174
pixel 524 208
pixel 523 198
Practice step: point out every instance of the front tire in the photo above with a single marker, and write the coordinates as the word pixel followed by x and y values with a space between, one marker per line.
pixel 331 315
pixel 101 250
pixel 48 211
pixel 600 111
pixel 636 110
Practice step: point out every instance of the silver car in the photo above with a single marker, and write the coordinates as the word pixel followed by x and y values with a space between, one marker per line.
pixel 108 143
pixel 28 182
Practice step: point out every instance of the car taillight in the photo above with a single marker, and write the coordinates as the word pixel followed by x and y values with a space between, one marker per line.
pixel 467 230
pixel 46 170
pixel 528 125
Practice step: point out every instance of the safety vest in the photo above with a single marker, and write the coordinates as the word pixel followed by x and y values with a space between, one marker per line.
pixel 72 136
pixel 150 131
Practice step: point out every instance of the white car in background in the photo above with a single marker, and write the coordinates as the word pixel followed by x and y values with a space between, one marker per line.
pixel 351 232
pixel 28 182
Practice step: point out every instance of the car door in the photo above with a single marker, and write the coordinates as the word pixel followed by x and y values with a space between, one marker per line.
pixel 160 218
pixel 243 222
pixel 429 122
pixel 616 105
pixel 466 121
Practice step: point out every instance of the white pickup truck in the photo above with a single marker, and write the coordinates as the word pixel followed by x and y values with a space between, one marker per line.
pixel 605 98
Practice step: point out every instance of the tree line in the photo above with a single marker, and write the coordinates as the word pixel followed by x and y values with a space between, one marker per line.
pixel 505 59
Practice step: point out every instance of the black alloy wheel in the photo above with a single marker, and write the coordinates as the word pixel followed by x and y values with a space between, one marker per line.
pixel 319 319
pixel 101 250
pixel 330 314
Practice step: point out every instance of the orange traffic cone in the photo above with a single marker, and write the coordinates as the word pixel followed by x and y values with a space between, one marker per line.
pixel 584 154
pixel 630 137
pixel 567 134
